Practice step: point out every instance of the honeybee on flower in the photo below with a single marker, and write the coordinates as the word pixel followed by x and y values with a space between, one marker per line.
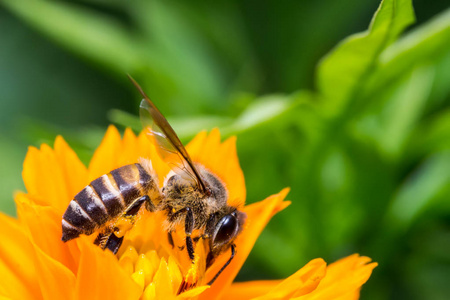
pixel 36 264
pixel 192 196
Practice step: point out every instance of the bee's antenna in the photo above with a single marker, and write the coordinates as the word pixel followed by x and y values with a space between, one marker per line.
pixel 233 252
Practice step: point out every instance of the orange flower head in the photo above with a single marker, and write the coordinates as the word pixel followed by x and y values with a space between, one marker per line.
pixel 36 264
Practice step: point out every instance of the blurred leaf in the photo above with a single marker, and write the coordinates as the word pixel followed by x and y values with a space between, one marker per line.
pixel 422 187
pixel 177 53
pixel 342 70
pixel 83 140
pixel 411 73
pixel 10 173
pixel 90 34
pixel 125 119
pixel 426 45
pixel 433 136
pixel 266 110
pixel 403 107
pixel 260 111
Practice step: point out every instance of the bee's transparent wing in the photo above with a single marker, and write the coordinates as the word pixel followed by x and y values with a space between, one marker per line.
pixel 169 146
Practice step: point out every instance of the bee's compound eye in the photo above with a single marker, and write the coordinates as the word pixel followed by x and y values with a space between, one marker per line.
pixel 226 230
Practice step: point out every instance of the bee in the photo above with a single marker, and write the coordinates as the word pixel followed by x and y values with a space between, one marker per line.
pixel 191 194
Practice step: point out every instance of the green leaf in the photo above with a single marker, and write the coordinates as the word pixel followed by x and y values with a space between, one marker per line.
pixel 402 107
pixel 85 32
pixel 10 172
pixel 343 70
pixel 267 110
pixel 419 190
pixel 125 119
pixel 432 136
pixel 428 44
pixel 411 78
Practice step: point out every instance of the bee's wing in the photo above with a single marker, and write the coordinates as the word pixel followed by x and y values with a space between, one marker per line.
pixel 170 148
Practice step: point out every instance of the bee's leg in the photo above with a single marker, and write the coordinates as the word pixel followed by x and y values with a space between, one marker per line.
pixel 114 243
pixel 210 259
pixel 102 239
pixel 170 238
pixel 107 239
pixel 210 226
pixel 233 252
pixel 134 208
pixel 188 228
pixel 209 231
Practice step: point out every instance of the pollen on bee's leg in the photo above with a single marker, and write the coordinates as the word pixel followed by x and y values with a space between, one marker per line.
pixel 123 225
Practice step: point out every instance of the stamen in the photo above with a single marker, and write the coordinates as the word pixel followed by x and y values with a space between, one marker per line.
pixel 139 278
pixel 127 264
pixel 149 292
pixel 131 252
pixel 144 266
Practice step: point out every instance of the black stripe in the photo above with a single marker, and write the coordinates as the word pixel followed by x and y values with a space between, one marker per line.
pixel 97 213
pixel 145 179
pixel 112 201
pixel 75 217
pixel 114 243
pixel 69 233
pixel 126 179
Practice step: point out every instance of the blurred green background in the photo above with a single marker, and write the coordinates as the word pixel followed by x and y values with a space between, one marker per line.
pixel 357 125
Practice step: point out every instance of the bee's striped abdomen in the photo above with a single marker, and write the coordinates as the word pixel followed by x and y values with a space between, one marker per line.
pixel 104 199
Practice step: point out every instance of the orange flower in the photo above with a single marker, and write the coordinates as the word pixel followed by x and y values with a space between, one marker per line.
pixel 36 264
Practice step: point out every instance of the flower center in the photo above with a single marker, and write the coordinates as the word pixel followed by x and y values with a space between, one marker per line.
pixel 155 265
pixel 149 269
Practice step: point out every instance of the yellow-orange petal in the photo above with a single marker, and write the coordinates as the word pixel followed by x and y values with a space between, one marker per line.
pixel 100 276
pixel 175 274
pixel 192 293
pixel 343 280
pixel 163 283
pixel 300 283
pixel 56 281
pixel 129 151
pixel 73 170
pixel 105 158
pixel 16 262
pixel 249 289
pixel 53 176
pixel 43 225
pixel 258 215
pixel 43 177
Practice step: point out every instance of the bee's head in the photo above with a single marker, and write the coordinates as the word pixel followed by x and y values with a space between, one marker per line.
pixel 227 227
